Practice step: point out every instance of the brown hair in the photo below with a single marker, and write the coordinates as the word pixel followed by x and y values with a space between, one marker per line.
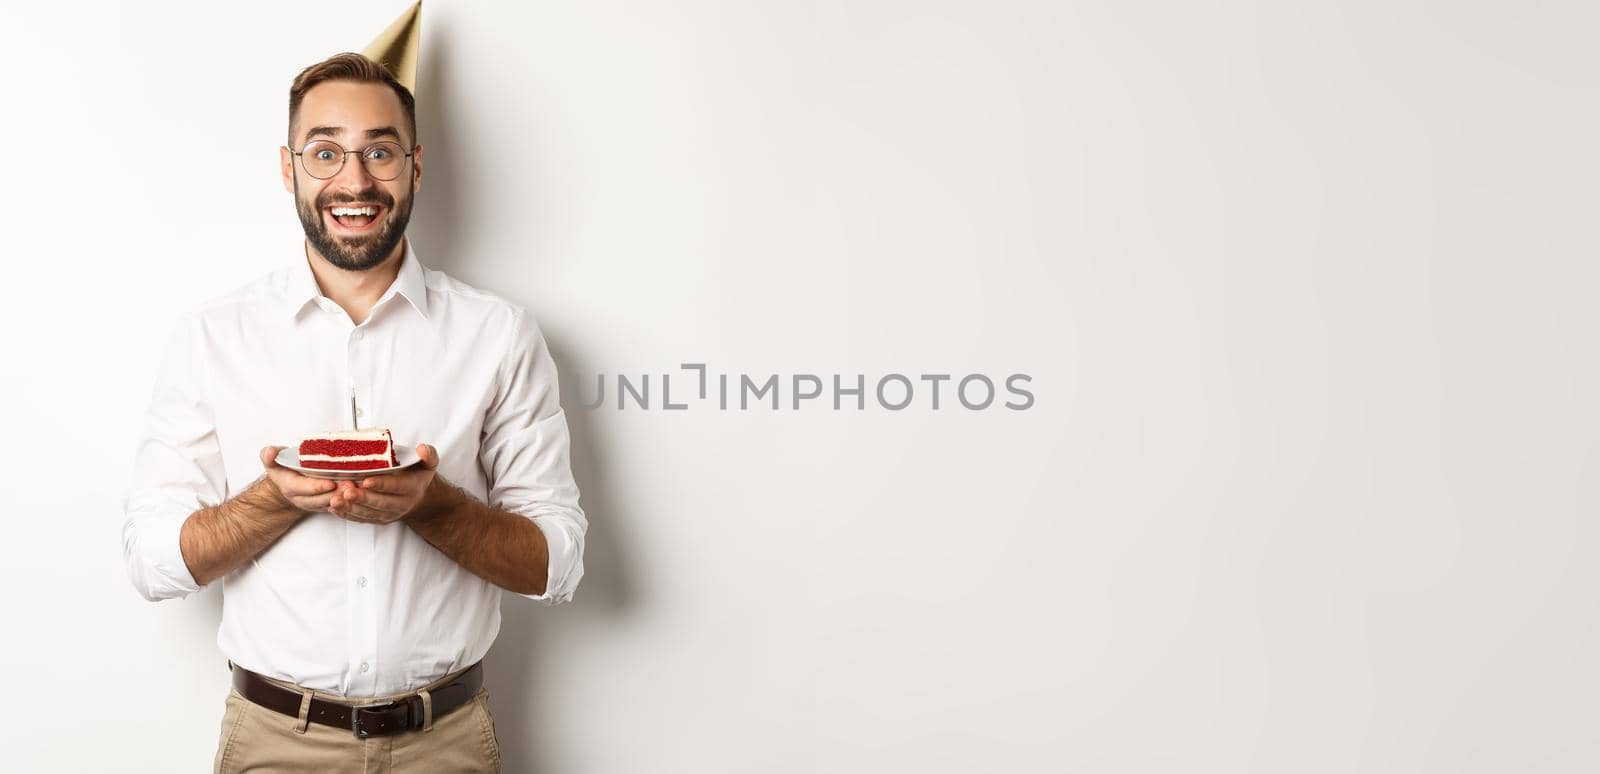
pixel 349 67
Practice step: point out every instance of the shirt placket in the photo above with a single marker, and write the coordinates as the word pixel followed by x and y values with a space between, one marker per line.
pixel 361 539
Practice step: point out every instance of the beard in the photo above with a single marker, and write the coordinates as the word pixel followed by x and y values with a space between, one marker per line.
pixel 354 253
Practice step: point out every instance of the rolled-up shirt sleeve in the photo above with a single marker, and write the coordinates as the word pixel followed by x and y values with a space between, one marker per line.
pixel 525 456
pixel 177 470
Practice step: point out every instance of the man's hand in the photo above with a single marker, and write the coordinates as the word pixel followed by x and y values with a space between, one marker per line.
pixel 293 489
pixel 388 498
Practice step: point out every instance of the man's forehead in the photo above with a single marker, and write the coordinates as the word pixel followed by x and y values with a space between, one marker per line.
pixel 351 110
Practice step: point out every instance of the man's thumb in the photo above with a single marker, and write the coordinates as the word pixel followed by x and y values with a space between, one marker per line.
pixel 429 455
pixel 269 456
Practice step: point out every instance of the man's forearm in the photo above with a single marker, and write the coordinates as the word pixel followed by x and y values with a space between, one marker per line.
pixel 504 548
pixel 216 540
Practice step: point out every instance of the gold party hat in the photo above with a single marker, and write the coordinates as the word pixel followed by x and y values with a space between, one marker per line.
pixel 398 46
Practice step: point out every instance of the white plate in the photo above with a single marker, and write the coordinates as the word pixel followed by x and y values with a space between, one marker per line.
pixel 289 457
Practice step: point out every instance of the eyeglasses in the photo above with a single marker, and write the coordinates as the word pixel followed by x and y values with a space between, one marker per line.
pixel 323 159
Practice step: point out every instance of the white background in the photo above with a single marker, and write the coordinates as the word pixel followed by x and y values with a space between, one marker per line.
pixel 1306 292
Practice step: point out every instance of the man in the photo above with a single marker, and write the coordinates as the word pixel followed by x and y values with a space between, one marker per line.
pixel 384 591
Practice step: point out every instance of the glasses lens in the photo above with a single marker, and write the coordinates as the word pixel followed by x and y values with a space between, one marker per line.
pixel 383 160
pixel 322 159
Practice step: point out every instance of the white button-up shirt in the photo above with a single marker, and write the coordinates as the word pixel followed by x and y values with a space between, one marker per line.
pixel 353 609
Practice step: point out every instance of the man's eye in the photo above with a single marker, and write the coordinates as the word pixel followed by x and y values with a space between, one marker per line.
pixel 377 154
pixel 324 155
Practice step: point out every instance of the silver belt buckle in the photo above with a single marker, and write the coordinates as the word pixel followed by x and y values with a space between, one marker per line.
pixel 355 716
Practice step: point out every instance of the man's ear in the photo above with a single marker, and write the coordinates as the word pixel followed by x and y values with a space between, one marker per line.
pixel 286 168
pixel 416 169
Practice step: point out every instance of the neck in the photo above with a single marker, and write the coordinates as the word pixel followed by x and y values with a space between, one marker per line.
pixel 356 291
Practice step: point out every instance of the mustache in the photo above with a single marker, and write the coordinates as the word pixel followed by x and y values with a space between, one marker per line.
pixel 374 195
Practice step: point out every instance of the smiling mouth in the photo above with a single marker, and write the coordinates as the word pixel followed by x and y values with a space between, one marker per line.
pixel 354 218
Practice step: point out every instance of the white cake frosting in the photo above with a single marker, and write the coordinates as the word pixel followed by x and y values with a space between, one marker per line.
pixel 365 434
pixel 329 457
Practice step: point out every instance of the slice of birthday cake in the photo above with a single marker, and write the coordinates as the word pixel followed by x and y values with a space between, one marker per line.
pixel 367 449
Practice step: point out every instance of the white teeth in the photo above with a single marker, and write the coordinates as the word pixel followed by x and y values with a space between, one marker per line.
pixel 354 211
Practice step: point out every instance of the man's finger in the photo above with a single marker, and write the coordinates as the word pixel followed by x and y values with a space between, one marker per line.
pixel 388 484
pixel 269 457
pixel 304 486
pixel 355 511
pixel 370 513
pixel 338 505
pixel 314 503
pixel 429 455
pixel 379 500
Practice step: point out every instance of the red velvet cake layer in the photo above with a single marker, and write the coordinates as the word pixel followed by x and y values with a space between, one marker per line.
pixel 339 448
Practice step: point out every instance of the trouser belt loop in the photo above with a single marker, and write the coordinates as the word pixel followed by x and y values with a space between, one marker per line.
pixel 305 713
pixel 427 709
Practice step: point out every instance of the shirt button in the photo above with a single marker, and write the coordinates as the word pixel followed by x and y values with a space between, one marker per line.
pixel 358 335
pixel 362 581
pixel 364 666
pixel 360 412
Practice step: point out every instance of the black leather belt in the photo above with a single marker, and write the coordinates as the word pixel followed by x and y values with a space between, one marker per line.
pixel 381 719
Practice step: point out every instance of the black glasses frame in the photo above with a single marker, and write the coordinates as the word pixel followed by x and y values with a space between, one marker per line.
pixel 346 157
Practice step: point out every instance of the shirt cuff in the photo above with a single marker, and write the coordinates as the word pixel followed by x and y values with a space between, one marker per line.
pixel 562 552
pixel 160 559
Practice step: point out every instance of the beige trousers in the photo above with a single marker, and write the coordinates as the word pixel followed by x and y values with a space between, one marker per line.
pixel 258 740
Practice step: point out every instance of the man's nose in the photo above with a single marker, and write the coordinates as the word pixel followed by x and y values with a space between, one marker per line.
pixel 353 174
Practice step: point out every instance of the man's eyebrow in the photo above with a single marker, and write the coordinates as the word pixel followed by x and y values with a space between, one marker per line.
pixel 326 131
pixel 335 131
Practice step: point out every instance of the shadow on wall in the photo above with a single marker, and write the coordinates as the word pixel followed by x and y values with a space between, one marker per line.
pixel 525 712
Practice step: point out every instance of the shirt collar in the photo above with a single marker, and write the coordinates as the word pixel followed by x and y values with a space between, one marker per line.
pixel 411 283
